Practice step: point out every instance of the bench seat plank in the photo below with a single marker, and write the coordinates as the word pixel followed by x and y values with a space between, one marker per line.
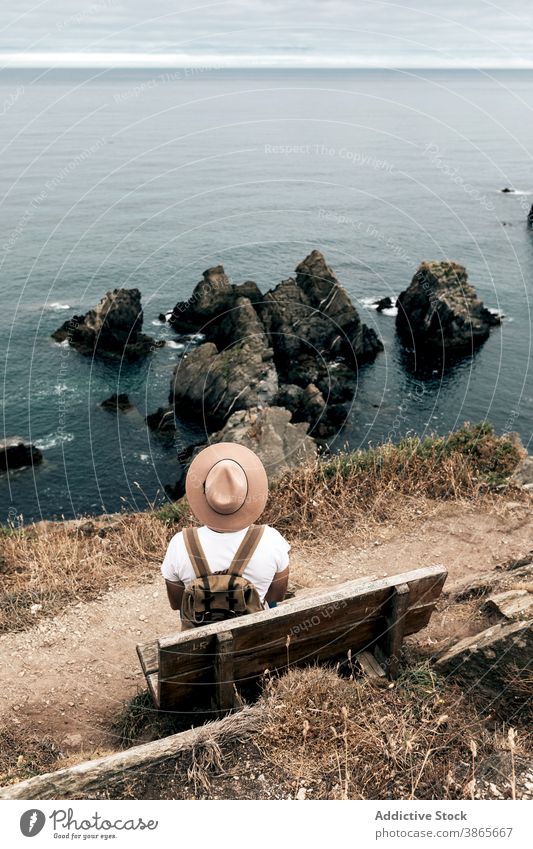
pixel 317 628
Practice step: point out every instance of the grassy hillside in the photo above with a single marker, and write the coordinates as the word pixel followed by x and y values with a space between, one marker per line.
pixel 48 566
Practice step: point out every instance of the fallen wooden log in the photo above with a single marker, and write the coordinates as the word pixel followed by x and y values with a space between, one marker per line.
pixel 78 781
pixel 513 604
pixel 489 659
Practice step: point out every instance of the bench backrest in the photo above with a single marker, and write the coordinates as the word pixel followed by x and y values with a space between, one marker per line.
pixel 194 665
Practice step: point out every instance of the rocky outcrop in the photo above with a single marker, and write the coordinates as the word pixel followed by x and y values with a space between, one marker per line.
pixel 113 328
pixel 209 384
pixel 440 310
pixel 311 321
pixel 211 299
pixel 299 347
pixel 511 604
pixel 308 405
pixel 15 453
pixel 269 432
pixel 530 217
pixel 117 403
pixel 523 474
pixel 383 304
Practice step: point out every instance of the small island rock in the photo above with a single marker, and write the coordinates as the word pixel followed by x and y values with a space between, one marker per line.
pixel 441 310
pixel 15 453
pixel 113 328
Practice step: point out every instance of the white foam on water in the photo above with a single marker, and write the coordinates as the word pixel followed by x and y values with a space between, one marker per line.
pixel 179 346
pixel 52 440
pixel 58 306
pixel 372 304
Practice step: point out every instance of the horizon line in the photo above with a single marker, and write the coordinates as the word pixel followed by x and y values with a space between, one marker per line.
pixel 140 61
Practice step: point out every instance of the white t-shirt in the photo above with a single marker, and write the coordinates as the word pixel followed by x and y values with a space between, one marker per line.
pixel 270 556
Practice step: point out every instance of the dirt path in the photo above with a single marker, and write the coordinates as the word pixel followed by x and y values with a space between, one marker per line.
pixel 69 677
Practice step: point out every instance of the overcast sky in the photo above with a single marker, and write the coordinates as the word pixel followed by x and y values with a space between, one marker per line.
pixel 309 33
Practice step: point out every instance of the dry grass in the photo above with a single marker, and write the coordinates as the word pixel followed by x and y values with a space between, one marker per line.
pixel 48 566
pixel 319 736
pixel 373 485
pixel 342 738
pixel 23 755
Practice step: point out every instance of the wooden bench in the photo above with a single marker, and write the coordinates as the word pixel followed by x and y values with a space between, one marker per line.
pixel 211 663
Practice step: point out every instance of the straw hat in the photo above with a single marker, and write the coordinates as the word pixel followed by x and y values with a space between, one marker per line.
pixel 227 487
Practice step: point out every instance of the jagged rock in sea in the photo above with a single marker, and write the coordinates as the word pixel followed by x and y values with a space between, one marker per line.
pixel 311 321
pixel 383 304
pixel 303 333
pixel 15 453
pixel 113 328
pixel 308 405
pixel 117 403
pixel 162 420
pixel 530 217
pixel 210 301
pixel 441 310
pixel 279 442
pixel 208 384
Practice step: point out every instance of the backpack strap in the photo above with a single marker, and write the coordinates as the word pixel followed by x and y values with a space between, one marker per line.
pixel 245 551
pixel 196 555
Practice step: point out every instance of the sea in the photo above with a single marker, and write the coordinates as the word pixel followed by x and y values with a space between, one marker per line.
pixel 126 178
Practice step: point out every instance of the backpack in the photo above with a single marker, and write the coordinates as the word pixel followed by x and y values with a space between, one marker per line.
pixel 222 595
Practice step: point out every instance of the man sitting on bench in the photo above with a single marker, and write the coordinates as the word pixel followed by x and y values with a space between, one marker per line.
pixel 229 566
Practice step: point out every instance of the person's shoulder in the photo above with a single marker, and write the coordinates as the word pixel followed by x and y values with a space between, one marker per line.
pixel 274 536
pixel 177 540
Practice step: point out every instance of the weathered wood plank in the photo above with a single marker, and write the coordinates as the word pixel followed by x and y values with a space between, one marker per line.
pixel 149 657
pixel 396 620
pixel 426 585
pixel 251 664
pixel 152 679
pixel 224 673
pixel 369 665
pixel 99 774
pixel 320 628
pixel 492 658
pixel 513 604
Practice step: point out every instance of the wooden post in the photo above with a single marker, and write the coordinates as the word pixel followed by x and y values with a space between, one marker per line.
pixel 393 637
pixel 224 675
